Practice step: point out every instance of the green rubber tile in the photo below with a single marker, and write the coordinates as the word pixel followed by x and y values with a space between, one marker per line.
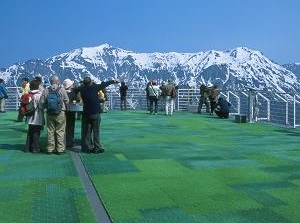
pixel 186 168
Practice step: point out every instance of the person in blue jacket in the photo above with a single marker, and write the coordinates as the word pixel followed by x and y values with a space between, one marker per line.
pixel 222 109
pixel 90 127
pixel 3 95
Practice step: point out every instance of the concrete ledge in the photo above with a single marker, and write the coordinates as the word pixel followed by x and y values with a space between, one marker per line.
pixel 192 108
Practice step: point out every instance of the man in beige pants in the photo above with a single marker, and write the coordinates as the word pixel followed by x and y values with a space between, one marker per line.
pixel 56 121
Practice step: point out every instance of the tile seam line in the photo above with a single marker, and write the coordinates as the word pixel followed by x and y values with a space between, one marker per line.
pixel 93 196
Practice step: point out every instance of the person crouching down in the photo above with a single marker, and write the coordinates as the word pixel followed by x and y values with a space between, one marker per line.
pixel 222 109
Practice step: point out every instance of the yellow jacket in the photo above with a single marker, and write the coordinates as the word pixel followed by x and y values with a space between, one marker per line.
pixel 24 89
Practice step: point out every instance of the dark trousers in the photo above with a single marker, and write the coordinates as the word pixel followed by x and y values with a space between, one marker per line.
pixel 20 115
pixel 33 138
pixel 70 128
pixel 213 105
pixel 148 102
pixel 153 101
pixel 203 100
pixel 123 103
pixel 90 133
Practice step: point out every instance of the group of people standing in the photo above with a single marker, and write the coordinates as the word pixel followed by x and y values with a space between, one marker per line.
pixel 61 123
pixel 166 92
pixel 210 97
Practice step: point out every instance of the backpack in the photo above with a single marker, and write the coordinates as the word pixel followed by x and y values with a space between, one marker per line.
pixel 54 103
pixel 27 105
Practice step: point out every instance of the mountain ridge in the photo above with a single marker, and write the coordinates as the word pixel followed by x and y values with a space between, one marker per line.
pixel 232 69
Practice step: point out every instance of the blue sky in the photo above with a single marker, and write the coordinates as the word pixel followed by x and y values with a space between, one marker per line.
pixel 36 29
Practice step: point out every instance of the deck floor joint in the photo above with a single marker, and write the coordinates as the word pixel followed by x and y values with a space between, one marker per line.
pixel 92 194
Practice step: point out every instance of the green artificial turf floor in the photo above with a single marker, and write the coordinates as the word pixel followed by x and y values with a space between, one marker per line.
pixel 37 187
pixel 183 168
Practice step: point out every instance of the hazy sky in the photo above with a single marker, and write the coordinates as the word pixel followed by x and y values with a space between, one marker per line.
pixel 38 29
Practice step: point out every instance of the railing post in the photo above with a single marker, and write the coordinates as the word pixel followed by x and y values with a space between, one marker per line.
pixel 251 95
pixel 294 111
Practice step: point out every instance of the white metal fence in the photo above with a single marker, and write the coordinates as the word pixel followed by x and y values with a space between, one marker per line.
pixel 12 103
pixel 283 109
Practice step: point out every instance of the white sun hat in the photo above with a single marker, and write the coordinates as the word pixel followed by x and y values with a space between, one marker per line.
pixel 68 83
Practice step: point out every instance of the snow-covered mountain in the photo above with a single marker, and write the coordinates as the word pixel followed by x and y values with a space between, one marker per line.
pixel 293 67
pixel 234 69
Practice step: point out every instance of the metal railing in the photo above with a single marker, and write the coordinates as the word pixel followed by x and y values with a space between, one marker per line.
pixel 296 110
pixel 283 109
pixel 12 103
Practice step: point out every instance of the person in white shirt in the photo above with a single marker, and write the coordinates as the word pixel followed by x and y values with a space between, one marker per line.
pixel 154 93
pixel 36 121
